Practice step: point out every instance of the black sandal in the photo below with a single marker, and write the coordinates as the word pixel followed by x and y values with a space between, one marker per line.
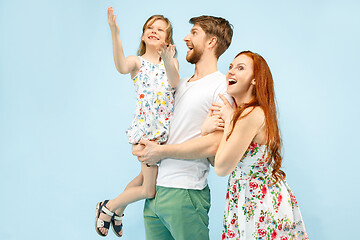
pixel 117 228
pixel 99 223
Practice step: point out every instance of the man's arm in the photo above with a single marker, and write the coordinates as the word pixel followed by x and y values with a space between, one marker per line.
pixel 201 147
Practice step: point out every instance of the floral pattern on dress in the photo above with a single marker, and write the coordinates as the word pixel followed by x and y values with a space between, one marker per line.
pixel 257 208
pixel 155 103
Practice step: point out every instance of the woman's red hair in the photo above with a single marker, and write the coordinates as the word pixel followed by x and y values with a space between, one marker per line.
pixel 264 97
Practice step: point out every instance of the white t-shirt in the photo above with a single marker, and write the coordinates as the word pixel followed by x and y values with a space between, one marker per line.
pixel 192 103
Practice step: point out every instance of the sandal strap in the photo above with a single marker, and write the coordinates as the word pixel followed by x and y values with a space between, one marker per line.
pixel 117 228
pixel 105 210
pixel 102 224
pixel 117 217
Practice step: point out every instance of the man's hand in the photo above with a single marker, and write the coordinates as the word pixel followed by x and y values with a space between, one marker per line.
pixel 150 154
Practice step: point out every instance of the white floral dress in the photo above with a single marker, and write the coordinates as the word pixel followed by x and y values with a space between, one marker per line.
pixel 256 210
pixel 155 103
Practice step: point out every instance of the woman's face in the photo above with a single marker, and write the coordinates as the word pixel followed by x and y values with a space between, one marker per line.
pixel 240 77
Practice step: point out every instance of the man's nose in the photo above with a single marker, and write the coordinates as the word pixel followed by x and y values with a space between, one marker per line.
pixel 186 38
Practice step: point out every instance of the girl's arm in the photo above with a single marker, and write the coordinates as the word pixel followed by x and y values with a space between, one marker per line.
pixel 231 151
pixel 124 65
pixel 167 53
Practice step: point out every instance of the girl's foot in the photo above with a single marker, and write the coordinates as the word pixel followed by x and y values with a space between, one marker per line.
pixel 117 225
pixel 103 218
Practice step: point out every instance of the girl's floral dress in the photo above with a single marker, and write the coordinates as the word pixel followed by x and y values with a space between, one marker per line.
pixel 257 210
pixel 155 102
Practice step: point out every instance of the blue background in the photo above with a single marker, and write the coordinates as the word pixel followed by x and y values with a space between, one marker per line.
pixel 64 108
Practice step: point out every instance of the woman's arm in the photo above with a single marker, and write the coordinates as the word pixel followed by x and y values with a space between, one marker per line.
pixel 231 151
pixel 124 65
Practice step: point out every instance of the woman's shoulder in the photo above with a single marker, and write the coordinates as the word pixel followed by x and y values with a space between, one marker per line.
pixel 253 114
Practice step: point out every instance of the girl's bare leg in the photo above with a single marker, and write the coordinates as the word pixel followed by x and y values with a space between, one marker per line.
pixel 141 187
pixel 137 181
pixel 133 193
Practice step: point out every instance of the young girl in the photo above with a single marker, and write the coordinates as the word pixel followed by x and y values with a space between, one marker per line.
pixel 260 204
pixel 155 75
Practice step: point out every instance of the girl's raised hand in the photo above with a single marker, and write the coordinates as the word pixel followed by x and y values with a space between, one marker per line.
pixel 167 52
pixel 112 21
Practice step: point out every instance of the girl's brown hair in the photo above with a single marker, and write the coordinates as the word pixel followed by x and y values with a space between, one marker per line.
pixel 142 48
pixel 264 97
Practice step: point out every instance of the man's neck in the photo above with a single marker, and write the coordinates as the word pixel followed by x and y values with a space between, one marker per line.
pixel 205 66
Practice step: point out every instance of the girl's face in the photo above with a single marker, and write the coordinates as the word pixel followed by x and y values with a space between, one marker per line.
pixel 155 34
pixel 240 77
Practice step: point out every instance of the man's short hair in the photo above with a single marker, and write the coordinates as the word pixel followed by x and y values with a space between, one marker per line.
pixel 216 27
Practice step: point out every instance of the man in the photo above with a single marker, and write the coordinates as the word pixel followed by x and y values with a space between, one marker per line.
pixel 182 202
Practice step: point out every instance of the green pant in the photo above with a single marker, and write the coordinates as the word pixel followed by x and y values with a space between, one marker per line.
pixel 180 214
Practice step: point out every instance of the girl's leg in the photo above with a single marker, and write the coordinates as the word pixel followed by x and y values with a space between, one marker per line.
pixel 135 193
pixel 141 187
pixel 137 181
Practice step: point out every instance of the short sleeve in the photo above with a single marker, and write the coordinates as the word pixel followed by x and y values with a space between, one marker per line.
pixel 221 89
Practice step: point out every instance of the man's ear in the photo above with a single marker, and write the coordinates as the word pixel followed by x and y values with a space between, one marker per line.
pixel 212 42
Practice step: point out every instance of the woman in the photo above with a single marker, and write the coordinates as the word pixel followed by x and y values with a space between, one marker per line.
pixel 260 205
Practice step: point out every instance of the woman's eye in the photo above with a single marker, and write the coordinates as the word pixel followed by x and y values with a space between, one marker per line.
pixel 230 67
pixel 240 68
pixel 161 30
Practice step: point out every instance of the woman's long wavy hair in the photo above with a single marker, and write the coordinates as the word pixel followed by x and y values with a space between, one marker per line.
pixel 169 30
pixel 264 97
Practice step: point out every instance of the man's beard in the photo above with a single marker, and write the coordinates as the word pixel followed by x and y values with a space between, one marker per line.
pixel 195 56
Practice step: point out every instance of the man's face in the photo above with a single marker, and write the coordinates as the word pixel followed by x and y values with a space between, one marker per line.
pixel 195 41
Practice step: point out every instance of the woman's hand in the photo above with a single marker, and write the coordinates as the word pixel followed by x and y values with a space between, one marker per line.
pixel 212 123
pixel 112 21
pixel 225 110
